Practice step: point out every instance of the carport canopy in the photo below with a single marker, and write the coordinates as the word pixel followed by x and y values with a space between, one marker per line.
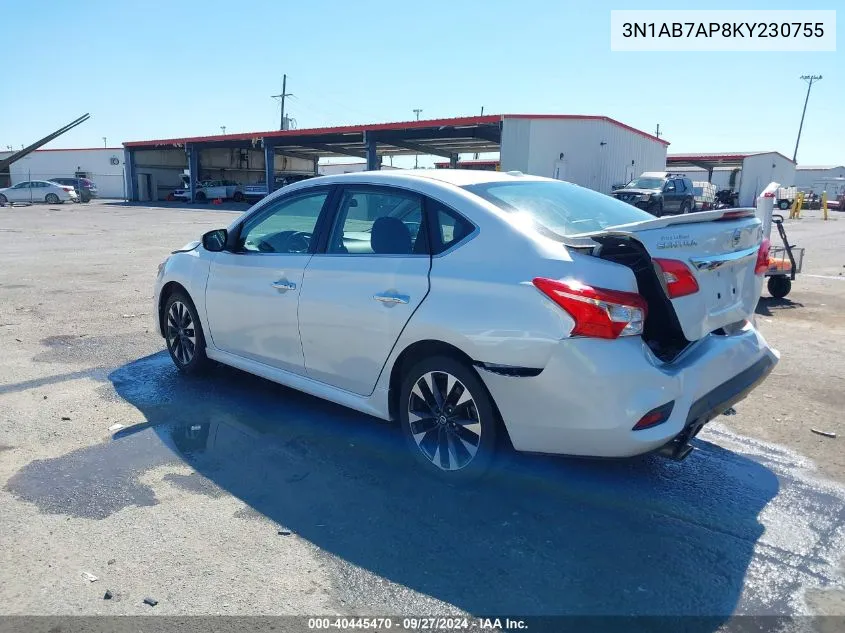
pixel 438 137
pixel 707 161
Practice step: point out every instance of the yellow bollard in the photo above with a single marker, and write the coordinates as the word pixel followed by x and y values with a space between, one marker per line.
pixel 795 211
pixel 824 204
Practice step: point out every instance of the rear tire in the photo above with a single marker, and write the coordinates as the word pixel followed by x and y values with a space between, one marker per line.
pixel 183 334
pixel 448 419
pixel 51 198
pixel 685 207
pixel 238 197
pixel 783 205
pixel 3 199
pixel 779 286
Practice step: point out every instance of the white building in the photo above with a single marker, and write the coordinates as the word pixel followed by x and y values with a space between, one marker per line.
pixel 747 172
pixel 596 152
pixel 103 165
pixel 818 178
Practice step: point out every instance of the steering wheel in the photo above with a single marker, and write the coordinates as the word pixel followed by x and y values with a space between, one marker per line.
pixel 298 242
pixel 285 242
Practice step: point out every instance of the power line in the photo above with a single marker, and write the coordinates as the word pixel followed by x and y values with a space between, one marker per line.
pixel 810 79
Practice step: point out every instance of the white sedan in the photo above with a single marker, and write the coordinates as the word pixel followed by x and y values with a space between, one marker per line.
pixel 469 306
pixel 38 191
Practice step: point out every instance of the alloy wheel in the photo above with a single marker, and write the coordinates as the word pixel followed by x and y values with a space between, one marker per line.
pixel 181 334
pixel 444 420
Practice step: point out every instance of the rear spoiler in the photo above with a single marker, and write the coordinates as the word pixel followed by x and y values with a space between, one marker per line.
pixel 583 240
pixel 674 220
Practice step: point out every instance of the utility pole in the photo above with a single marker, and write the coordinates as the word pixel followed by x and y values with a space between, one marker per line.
pixel 476 155
pixel 223 129
pixel 282 123
pixel 810 79
pixel 416 156
pixel 104 142
pixel 657 131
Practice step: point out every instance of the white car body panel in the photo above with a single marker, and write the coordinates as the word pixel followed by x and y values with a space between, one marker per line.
pixel 347 333
pixel 587 393
pixel 246 312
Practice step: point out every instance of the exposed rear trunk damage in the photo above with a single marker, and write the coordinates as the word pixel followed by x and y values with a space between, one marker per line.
pixel 716 249
pixel 662 331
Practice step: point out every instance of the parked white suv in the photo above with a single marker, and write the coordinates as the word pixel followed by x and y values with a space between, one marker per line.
pixel 467 305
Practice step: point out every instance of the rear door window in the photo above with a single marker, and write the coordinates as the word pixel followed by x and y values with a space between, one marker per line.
pixel 450 228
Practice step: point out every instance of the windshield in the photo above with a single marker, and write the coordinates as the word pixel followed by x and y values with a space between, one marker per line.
pixel 645 183
pixel 559 207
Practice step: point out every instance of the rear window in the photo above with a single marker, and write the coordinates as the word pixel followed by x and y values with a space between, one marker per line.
pixel 559 208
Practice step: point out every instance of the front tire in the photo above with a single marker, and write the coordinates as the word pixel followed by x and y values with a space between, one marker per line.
pixel 200 196
pixel 238 197
pixel 3 199
pixel 51 198
pixel 779 286
pixel 183 334
pixel 783 205
pixel 658 210
pixel 448 419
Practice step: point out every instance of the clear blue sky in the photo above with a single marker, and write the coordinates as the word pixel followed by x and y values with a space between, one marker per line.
pixel 161 69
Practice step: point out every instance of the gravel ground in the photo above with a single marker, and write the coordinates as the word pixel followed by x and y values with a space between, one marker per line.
pixel 231 495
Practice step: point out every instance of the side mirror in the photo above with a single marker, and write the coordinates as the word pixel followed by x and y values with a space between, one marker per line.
pixel 215 241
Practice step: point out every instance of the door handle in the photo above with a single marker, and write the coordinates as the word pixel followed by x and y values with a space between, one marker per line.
pixel 283 284
pixel 391 298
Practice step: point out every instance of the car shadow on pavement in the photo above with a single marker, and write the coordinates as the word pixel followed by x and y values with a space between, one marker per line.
pixel 540 536
pixel 766 305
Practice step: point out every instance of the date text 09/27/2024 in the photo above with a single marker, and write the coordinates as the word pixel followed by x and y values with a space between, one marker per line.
pixel 417 624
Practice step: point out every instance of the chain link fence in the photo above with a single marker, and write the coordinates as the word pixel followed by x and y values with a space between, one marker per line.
pixel 109 186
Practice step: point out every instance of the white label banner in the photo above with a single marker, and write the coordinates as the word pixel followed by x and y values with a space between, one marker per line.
pixel 723 30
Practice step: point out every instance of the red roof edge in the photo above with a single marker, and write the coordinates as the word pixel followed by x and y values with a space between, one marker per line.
pixel 344 129
pixel 400 125
pixel 718 157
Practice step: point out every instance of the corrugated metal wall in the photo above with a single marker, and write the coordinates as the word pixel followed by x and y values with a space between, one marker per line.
pixel 812 178
pixel 592 153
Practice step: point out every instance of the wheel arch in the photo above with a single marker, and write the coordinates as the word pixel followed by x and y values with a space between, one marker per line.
pixel 166 291
pixel 426 348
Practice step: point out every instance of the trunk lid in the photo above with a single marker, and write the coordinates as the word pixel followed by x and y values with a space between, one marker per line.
pixel 720 248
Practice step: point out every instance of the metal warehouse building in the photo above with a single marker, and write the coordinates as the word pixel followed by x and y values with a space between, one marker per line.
pixel 818 178
pixel 103 165
pixel 745 172
pixel 593 151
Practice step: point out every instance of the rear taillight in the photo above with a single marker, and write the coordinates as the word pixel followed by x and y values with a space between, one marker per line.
pixel 598 312
pixel 679 279
pixel 739 213
pixel 762 264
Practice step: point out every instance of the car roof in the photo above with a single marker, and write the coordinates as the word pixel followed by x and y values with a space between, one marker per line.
pixel 456 177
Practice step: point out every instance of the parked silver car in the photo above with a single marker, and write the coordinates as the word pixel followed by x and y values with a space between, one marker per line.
pixel 470 305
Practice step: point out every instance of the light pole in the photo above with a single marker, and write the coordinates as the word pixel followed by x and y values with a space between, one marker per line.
pixel 417 156
pixel 810 79
pixel 223 129
pixel 104 142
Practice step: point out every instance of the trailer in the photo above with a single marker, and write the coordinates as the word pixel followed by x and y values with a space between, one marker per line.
pixel 785 260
